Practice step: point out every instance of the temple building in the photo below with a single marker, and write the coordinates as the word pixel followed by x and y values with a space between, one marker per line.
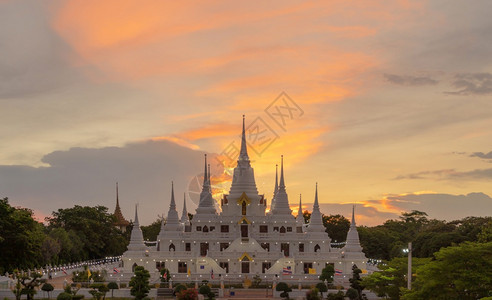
pixel 121 223
pixel 243 239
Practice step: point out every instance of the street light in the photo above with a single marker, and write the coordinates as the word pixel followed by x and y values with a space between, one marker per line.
pixel 409 274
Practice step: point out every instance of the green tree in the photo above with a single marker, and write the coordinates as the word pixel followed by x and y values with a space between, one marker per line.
pixel 21 239
pixel 337 227
pixel 352 294
pixel 165 275
pixel 322 288
pixel 94 227
pixel 458 272
pixel 205 290
pixel 29 283
pixel 391 280
pixel 47 287
pixel 256 281
pixel 112 286
pixel 356 281
pixel 150 232
pixel 307 216
pixel 485 234
pixel 99 290
pixel 284 288
pixel 140 283
pixel 327 273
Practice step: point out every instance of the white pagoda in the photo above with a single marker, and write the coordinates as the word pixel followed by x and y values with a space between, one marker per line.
pixel 243 240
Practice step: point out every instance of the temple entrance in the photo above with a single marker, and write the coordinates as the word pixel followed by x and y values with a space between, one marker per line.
pixel 244 230
pixel 284 247
pixel 203 249
pixel 245 267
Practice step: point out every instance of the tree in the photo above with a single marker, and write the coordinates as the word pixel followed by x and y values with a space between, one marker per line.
pixel 140 283
pixel 485 234
pixel 150 232
pixel 93 226
pixel 327 273
pixel 47 288
pixel 352 294
pixel 112 286
pixel 337 227
pixel 284 288
pixel 99 290
pixel 356 281
pixel 206 291
pixel 307 216
pixel 458 272
pixel 391 280
pixel 322 288
pixel 165 275
pixel 256 281
pixel 28 282
pixel 21 238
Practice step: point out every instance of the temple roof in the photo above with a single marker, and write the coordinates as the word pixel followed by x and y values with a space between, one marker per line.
pixel 120 219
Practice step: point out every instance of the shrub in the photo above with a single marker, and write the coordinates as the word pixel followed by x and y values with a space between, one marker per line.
pixel 352 294
pixel 284 288
pixel 64 296
pixel 313 294
pixel 47 288
pixel 206 291
pixel 321 286
pixel 188 294
pixel 112 286
pixel 179 288
pixel 336 296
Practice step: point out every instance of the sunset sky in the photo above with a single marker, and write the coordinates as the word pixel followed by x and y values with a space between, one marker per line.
pixel 390 102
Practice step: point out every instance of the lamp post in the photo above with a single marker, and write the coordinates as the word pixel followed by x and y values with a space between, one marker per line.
pixel 409 273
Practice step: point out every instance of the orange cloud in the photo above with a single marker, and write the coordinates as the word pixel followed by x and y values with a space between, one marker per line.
pixel 176 140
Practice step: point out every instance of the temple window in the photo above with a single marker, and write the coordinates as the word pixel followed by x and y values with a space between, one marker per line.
pixel 223 246
pixel 264 228
pixel 182 267
pixel 224 228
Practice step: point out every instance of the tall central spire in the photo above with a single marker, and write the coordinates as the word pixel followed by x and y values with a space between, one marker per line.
pixel 243 154
pixel 243 180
